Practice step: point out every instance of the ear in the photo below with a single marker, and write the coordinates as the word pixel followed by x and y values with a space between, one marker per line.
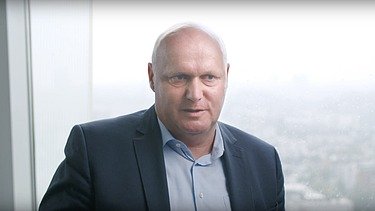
pixel 227 73
pixel 151 76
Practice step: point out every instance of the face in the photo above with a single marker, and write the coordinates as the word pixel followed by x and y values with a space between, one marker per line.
pixel 189 83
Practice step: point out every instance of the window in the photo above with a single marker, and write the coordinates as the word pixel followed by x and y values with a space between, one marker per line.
pixel 301 78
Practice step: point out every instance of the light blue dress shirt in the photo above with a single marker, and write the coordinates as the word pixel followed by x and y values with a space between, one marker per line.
pixel 194 184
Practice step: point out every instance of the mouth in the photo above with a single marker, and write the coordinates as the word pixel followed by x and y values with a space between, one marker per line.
pixel 193 112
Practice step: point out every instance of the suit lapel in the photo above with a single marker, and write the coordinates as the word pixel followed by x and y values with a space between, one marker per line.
pixel 149 155
pixel 236 173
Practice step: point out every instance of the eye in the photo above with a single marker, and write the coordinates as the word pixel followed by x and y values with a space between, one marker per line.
pixel 209 77
pixel 178 80
pixel 209 80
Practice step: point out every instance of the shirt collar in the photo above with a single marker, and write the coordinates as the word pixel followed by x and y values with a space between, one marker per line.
pixel 217 149
pixel 165 134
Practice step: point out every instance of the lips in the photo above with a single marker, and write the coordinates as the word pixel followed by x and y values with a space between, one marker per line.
pixel 193 112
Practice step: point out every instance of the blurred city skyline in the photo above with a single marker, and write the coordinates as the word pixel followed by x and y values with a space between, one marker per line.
pixel 326 140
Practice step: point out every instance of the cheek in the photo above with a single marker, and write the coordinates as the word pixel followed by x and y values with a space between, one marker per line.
pixel 216 96
pixel 169 96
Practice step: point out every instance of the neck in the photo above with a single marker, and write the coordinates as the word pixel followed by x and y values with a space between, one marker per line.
pixel 199 144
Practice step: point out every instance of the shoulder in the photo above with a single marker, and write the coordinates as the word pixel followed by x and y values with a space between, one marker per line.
pixel 105 135
pixel 244 140
pixel 110 129
pixel 259 153
pixel 112 124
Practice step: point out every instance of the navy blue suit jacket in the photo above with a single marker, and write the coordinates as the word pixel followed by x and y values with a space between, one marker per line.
pixel 118 164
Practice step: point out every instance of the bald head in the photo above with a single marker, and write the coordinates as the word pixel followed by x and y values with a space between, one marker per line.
pixel 187 36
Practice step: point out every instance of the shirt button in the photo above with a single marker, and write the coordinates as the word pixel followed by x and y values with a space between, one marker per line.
pixel 201 195
pixel 178 145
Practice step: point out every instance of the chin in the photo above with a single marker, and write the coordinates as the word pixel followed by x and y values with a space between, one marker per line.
pixel 196 130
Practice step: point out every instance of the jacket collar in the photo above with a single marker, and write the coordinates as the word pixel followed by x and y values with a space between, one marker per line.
pixel 236 172
pixel 149 155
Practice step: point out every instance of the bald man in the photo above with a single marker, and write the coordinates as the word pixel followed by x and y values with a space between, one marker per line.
pixel 176 155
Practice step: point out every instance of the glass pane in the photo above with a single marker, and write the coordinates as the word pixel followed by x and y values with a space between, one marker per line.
pixel 301 78
pixel 60 46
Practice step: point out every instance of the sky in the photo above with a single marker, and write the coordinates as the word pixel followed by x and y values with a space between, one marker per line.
pixel 319 44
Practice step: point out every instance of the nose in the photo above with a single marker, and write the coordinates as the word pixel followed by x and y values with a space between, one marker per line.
pixel 194 91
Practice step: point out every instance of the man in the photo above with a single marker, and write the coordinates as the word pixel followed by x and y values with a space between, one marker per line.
pixel 175 155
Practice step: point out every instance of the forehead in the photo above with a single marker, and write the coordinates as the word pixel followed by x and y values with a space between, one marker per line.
pixel 191 47
pixel 190 39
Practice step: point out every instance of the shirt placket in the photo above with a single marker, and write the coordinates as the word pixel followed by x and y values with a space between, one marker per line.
pixel 198 191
